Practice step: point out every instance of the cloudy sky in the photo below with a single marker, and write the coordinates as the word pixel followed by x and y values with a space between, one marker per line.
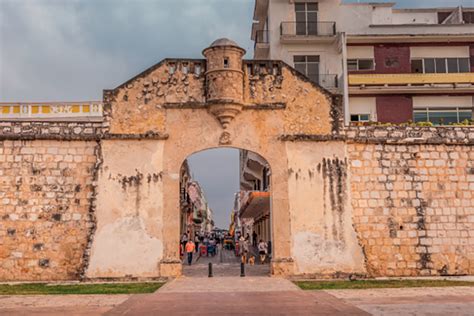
pixel 65 50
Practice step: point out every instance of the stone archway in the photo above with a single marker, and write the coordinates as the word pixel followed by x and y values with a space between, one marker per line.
pixel 179 107
pixel 244 140
pixel 226 189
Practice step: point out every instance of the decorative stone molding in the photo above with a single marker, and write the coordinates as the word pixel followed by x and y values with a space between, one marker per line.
pixel 225 139
pixel 225 113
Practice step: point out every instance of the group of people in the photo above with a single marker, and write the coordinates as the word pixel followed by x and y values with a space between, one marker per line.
pixel 262 247
pixel 189 245
pixel 209 241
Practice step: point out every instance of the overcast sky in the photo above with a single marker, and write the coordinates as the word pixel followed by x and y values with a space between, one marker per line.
pixel 65 50
pixel 217 170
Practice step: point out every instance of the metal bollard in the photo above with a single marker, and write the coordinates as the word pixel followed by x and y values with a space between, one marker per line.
pixel 210 270
pixel 242 269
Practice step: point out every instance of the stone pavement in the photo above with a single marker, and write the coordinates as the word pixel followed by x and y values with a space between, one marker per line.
pixel 237 303
pixel 411 301
pixel 235 296
pixel 79 305
pixel 228 285
pixel 248 296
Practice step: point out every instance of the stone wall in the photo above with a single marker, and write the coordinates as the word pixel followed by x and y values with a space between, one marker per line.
pixel 413 199
pixel 28 130
pixel 451 135
pixel 324 241
pixel 46 188
pixel 128 240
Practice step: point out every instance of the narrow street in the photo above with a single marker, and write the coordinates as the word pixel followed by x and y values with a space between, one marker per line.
pixel 224 264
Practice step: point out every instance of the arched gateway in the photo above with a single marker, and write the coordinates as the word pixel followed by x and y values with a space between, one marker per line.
pixel 86 194
pixel 179 107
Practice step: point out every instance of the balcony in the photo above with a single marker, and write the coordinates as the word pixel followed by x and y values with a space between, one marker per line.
pixel 254 204
pixel 52 111
pixel 307 32
pixel 411 83
pixel 330 82
pixel 262 45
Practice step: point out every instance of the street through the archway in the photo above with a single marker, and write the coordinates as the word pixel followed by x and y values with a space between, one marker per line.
pixel 224 264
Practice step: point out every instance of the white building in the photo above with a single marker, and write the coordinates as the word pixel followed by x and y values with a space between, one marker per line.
pixel 391 65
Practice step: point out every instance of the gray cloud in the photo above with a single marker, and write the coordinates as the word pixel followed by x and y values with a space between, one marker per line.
pixel 71 50
pixel 52 50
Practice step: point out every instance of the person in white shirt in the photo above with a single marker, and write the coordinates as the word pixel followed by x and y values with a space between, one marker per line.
pixel 262 251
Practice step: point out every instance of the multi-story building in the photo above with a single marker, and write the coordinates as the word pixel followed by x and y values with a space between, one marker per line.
pixel 196 216
pixel 391 65
pixel 254 197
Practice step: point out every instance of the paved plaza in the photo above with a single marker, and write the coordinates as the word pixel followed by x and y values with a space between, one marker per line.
pixel 248 296
pixel 224 264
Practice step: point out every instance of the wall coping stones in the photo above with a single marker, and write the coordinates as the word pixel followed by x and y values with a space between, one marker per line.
pixel 67 131
pixel 450 135
pixel 311 138
pixel 86 131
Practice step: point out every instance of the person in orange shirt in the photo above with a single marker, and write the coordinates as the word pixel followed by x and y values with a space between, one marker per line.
pixel 190 247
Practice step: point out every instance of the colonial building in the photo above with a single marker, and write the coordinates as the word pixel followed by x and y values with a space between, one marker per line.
pixel 196 216
pixel 391 65
pixel 254 197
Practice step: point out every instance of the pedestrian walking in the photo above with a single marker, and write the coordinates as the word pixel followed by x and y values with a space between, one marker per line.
pixel 190 247
pixel 246 247
pixel 184 240
pixel 196 242
pixel 262 251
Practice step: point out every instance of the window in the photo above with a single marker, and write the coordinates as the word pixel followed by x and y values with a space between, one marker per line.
pixel 226 62
pixel 440 65
pixel 464 65
pixel 417 66
pixel 430 66
pixel 306 18
pixel 308 66
pixel 442 116
pixel 360 117
pixel 360 64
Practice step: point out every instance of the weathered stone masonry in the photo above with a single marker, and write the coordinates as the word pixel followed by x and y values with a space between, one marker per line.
pixel 45 198
pixel 413 199
pixel 101 199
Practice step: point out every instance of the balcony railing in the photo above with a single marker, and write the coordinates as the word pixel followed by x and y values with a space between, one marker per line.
pixel 411 79
pixel 308 28
pixel 326 81
pixel 68 111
